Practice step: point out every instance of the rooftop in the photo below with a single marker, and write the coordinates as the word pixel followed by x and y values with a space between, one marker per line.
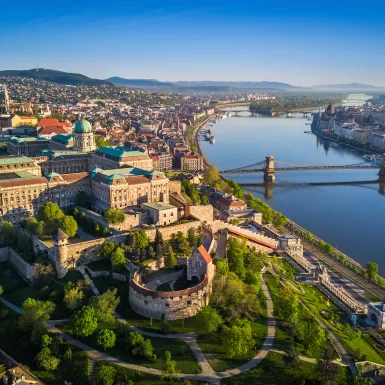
pixel 119 152
pixel 160 206
pixel 12 159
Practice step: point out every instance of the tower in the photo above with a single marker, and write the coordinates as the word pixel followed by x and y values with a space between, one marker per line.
pixel 4 104
pixel 84 140
pixel 269 174
pixel 60 241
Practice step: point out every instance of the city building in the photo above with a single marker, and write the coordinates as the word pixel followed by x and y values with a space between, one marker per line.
pixel 30 146
pixel 10 164
pixel 17 120
pixel 191 162
pixel 160 213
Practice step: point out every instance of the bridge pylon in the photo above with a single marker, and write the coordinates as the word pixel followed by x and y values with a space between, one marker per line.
pixel 269 174
pixel 381 173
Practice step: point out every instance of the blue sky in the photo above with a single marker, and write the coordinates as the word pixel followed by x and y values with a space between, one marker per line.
pixel 298 42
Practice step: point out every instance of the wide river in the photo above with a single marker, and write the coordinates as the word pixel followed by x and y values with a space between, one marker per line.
pixel 352 218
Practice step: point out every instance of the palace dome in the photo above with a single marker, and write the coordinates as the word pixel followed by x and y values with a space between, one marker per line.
pixel 82 127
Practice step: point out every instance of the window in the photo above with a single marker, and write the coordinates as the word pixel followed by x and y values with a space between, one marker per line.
pixel 167 305
pixel 189 302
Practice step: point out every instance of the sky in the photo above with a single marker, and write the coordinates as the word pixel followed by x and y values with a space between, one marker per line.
pixel 297 42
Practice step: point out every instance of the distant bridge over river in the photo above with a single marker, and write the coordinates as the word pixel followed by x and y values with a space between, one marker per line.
pixel 270 166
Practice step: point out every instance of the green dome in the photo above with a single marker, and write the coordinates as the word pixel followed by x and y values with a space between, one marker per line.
pixel 82 127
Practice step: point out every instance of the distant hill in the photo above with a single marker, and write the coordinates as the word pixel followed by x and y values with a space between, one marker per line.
pixel 350 86
pixel 204 85
pixel 247 85
pixel 139 82
pixel 56 77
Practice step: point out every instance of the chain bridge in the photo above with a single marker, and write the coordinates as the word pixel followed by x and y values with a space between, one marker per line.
pixel 270 166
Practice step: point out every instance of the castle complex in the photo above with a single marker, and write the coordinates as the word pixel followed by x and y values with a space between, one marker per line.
pixel 111 176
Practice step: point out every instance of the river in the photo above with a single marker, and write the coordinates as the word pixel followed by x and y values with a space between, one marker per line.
pixel 352 218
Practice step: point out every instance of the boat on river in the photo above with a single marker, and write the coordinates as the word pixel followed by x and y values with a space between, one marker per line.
pixel 212 139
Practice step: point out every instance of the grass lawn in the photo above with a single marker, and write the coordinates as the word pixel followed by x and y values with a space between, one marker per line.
pixel 140 378
pixel 164 287
pixel 272 371
pixel 16 290
pixel 180 351
pixel 211 347
pixel 366 346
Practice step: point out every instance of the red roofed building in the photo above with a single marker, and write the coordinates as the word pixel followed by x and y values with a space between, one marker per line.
pixel 191 162
pixel 199 265
pixel 230 203
pixel 49 127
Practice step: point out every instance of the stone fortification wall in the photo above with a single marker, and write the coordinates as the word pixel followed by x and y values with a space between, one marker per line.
pixel 130 220
pixel 173 305
pixel 175 186
pixel 169 230
pixel 116 276
pixel 7 254
pixel 204 213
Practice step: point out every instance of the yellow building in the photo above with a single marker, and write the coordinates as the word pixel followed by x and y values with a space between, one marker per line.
pixel 18 121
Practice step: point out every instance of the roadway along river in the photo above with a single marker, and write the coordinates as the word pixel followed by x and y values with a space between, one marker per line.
pixel 352 218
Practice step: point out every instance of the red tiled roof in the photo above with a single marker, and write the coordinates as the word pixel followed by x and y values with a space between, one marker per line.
pixel 23 182
pixel 53 130
pixel 154 157
pixel 75 176
pixel 204 254
pixel 136 179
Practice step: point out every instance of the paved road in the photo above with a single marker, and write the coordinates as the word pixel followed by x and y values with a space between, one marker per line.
pixel 13 307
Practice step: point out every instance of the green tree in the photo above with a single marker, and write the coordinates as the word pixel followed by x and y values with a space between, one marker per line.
pixel 114 216
pixel 101 142
pixel 158 238
pixel 286 305
pixel 328 248
pixel 73 296
pixel 291 358
pixel 169 367
pixel 235 251
pixel 35 312
pixel 211 176
pixel 107 249
pixel 208 320
pixel 222 267
pixel 279 220
pixel 7 233
pixel 50 211
pixel 118 259
pixel 141 239
pixel 170 260
pixel 68 225
pixel 309 237
pixel 46 360
pixel 84 322
pixel 372 270
pixel 191 238
pixel 327 369
pixel 1 290
pixel 105 305
pixel 238 339
pixel 105 374
pixel 106 338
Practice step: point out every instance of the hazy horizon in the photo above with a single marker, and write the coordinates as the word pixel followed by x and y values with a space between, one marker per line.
pixel 299 43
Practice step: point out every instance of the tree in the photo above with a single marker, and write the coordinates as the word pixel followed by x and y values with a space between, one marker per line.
pixel 286 306
pixel 279 220
pixel 73 296
pixel 84 322
pixel 222 267
pixel 50 211
pixel 372 270
pixel 114 216
pixel 131 239
pixel 35 312
pixel 158 238
pixel 238 339
pixel 106 338
pixel 170 258
pixel 7 233
pixel 105 374
pixel 105 305
pixel 107 249
pixel 68 225
pixel 327 369
pixel 208 320
pixel 328 248
pixel 169 367
pixel 191 237
pixel 118 259
pixel 211 176
pixel 151 252
pixel 101 142
pixel 252 278
pixel 235 252
pixel 46 360
pixel 309 237
pixel 291 358
pixel 1 290
pixel 141 239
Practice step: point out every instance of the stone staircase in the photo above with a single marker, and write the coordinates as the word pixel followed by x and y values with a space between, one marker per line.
pixel 92 372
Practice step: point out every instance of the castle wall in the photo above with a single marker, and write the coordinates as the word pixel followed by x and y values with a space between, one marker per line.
pixel 173 305
pixel 204 213
pixel 7 254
